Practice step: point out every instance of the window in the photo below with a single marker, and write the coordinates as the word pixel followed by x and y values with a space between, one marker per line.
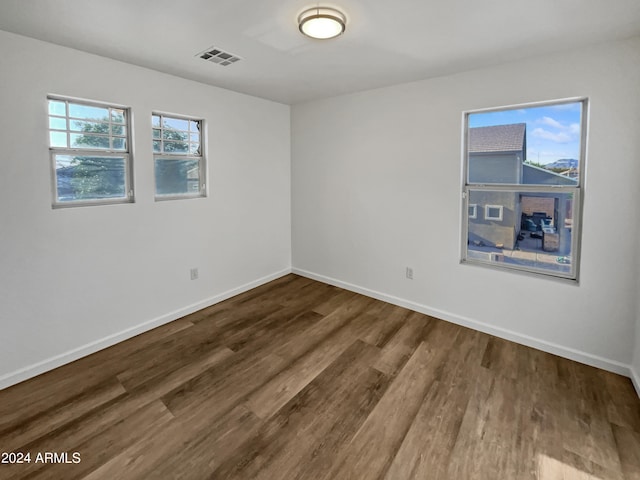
pixel 178 157
pixel 473 210
pixel 524 165
pixel 89 148
pixel 493 212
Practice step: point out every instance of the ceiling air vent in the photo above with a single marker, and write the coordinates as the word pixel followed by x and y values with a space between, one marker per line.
pixel 216 55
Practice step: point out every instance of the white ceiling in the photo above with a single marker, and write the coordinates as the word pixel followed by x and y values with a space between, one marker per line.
pixel 386 42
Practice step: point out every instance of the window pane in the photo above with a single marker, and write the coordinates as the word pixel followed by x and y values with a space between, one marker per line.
pixel 170 134
pixel 83 176
pixel 118 130
pixel 176 123
pixel 523 172
pixel 89 127
pixel 58 139
pixel 194 148
pixel 175 147
pixel 535 231
pixel 117 115
pixel 89 178
pixel 493 213
pixel 88 112
pixel 89 141
pixel 119 144
pixel 58 123
pixel 531 146
pixel 57 108
pixel 177 177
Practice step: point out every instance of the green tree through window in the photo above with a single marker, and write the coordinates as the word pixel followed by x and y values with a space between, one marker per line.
pixel 89 146
pixel 97 176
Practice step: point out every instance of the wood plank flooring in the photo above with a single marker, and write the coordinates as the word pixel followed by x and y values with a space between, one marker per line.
pixel 301 380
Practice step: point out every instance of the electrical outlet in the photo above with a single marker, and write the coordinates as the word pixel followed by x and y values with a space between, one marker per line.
pixel 194 274
pixel 410 273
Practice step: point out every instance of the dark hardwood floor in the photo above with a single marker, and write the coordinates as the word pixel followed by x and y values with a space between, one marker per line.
pixel 301 380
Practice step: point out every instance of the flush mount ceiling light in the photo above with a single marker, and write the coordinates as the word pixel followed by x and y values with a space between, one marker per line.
pixel 322 22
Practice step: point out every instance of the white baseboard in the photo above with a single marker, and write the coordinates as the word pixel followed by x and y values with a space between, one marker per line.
pixel 30 371
pixel 545 346
pixel 635 379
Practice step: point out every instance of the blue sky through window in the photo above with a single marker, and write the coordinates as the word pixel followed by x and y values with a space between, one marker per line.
pixel 553 131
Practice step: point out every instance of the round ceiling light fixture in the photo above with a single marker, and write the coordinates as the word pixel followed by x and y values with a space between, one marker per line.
pixel 322 22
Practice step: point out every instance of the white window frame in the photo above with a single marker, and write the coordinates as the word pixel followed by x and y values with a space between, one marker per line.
pixel 487 208
pixel 54 151
pixel 474 207
pixel 202 168
pixel 576 191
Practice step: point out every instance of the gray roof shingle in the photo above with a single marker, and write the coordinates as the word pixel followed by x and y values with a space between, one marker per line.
pixel 497 138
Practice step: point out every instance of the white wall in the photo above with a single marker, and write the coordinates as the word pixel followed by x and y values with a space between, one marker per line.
pixel 376 187
pixel 73 280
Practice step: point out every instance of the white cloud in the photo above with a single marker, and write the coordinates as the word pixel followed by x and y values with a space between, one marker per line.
pixel 551 122
pixel 560 137
pixel 557 131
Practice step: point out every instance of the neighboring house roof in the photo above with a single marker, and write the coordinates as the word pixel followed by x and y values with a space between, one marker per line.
pixel 497 138
pixel 536 175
